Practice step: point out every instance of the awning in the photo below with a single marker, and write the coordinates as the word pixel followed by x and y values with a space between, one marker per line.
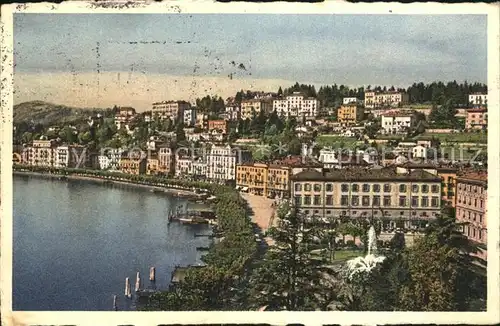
pixel 244 188
pixel 237 187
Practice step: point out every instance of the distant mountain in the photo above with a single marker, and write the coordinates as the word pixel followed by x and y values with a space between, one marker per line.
pixel 49 113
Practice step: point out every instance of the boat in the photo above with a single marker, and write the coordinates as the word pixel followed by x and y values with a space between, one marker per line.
pixel 203 235
pixel 193 220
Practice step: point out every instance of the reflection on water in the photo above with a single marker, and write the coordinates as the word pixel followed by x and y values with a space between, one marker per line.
pixel 75 243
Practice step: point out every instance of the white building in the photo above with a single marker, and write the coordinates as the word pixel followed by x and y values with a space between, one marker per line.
pixel 222 160
pixel 397 123
pixel 478 99
pixel 200 168
pixel 350 100
pixel 70 156
pixel 110 159
pixel 419 151
pixel 233 111
pixel 328 157
pixel 183 166
pixel 189 117
pixel 296 105
pixel 376 99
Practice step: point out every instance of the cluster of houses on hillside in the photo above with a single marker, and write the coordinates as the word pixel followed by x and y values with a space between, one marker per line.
pixel 391 107
pixel 401 186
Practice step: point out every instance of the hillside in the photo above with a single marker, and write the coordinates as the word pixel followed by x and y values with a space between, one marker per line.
pixel 48 113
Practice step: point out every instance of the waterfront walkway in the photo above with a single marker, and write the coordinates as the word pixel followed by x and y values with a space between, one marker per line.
pixel 262 212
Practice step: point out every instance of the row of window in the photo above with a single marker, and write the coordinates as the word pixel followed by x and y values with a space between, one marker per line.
pixel 471 216
pixel 366 187
pixel 469 201
pixel 473 188
pixel 344 213
pixel 366 202
pixel 475 233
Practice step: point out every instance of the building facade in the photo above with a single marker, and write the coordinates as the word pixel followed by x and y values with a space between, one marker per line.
pixel 71 156
pixel 394 123
pixel 201 120
pixel 296 105
pixel 124 116
pixel 478 99
pixel 152 164
pixel 377 99
pixel 183 166
pixel 471 207
pixel 222 161
pixel 218 125
pixel 404 200
pixel 130 165
pixel 233 111
pixel 109 159
pixel 447 174
pixel 268 180
pixel 350 100
pixel 173 110
pixel 350 114
pixel 189 117
pixel 477 119
pixel 165 160
pixel 41 153
pixel 252 108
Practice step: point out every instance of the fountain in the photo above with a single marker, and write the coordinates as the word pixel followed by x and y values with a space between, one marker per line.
pixel 366 264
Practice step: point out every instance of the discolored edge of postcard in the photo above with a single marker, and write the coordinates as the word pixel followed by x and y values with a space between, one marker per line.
pixel 276 318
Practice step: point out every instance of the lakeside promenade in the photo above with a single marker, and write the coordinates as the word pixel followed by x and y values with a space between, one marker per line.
pixel 170 191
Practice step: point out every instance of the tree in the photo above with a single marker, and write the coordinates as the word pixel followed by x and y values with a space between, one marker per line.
pixel 288 278
pixel 440 268
pixel 27 137
pixel 68 135
pixel 84 138
pixel 179 132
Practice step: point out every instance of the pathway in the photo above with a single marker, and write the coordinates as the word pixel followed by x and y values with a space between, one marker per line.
pixel 262 212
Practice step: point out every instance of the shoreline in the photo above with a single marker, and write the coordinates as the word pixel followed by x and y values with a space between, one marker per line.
pixel 169 191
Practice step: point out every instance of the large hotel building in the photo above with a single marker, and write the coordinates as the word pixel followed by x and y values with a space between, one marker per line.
pixel 170 109
pixel 407 200
pixel 471 207
pixel 376 99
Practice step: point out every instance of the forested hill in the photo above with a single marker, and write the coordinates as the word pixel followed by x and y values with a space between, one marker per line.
pixel 39 112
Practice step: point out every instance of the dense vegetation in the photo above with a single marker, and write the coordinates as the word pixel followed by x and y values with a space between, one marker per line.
pixel 437 273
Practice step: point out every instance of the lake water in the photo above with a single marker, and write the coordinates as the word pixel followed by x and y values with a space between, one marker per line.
pixel 75 243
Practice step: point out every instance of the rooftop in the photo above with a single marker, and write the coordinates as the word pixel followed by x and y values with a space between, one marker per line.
pixel 423 165
pixel 477 111
pixel 481 176
pixel 171 102
pixel 362 174
pixel 397 114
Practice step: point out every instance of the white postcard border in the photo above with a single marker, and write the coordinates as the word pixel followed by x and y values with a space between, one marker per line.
pixel 307 318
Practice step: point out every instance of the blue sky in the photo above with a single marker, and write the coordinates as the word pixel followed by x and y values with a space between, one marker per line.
pixel 320 49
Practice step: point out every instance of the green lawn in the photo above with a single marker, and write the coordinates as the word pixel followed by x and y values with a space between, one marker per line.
pixel 391 137
pixel 454 153
pixel 457 137
pixel 340 255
